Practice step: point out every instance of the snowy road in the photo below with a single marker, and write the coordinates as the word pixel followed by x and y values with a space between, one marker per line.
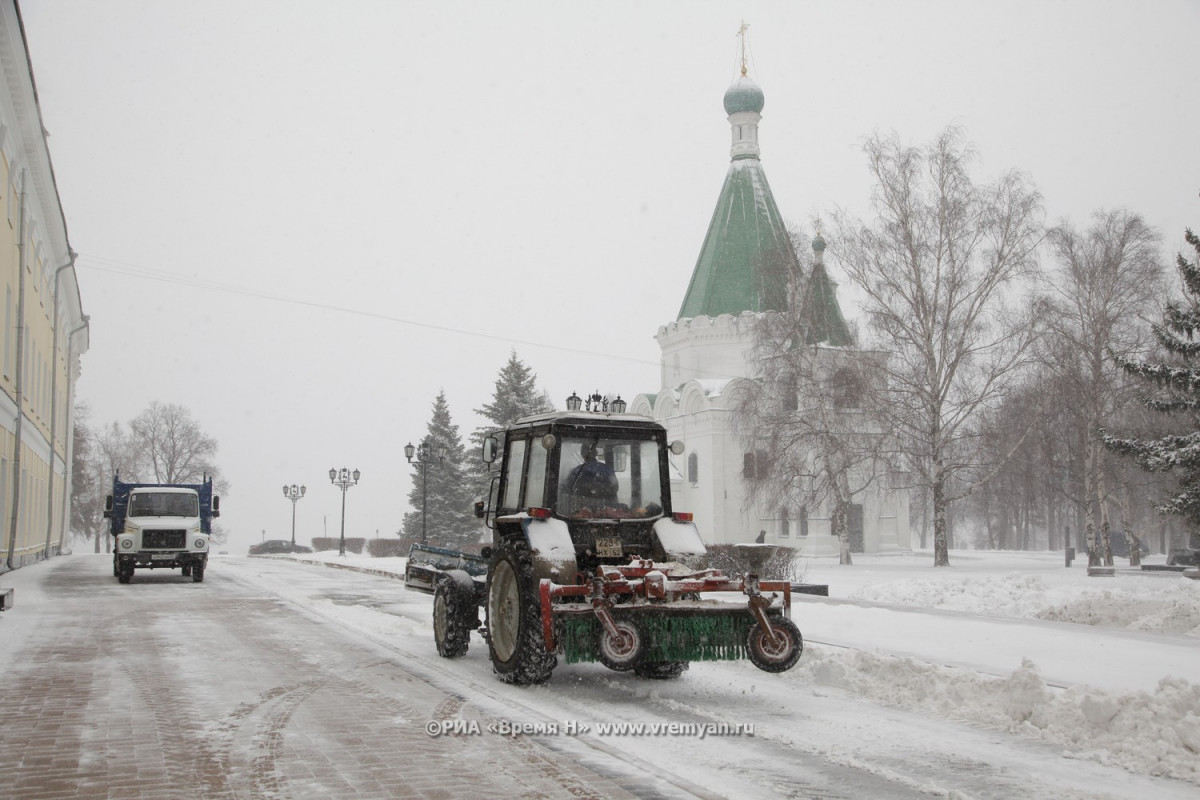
pixel 280 679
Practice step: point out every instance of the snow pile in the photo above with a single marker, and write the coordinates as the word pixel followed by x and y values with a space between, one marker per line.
pixel 1147 732
pixel 1156 734
pixel 1160 606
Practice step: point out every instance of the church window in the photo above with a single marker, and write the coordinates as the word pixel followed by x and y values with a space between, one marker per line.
pixel 847 389
pixel 784 531
pixel 789 394
pixel 755 465
pixel 693 468
pixel 802 521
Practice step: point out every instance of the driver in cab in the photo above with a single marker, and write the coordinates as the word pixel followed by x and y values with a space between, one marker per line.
pixel 592 483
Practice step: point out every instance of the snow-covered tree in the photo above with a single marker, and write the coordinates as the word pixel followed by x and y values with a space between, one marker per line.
pixel 88 484
pixel 1174 385
pixel 516 395
pixel 1108 279
pixel 804 415
pixel 169 445
pixel 162 444
pixel 941 268
pixel 441 493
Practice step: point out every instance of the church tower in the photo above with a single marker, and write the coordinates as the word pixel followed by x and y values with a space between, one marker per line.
pixel 747 267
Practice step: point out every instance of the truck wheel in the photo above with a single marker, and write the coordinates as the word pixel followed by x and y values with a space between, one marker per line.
pixel 116 568
pixel 454 617
pixel 620 652
pixel 197 573
pixel 779 657
pixel 514 619
pixel 124 573
pixel 660 670
pixel 186 570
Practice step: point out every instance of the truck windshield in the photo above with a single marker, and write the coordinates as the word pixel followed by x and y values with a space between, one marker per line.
pixel 164 504
pixel 609 478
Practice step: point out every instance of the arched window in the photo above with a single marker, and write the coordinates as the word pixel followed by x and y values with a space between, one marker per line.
pixel 693 468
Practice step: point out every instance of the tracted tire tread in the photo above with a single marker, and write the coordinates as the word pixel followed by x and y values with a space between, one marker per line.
pixel 453 639
pixel 529 662
pixel 660 670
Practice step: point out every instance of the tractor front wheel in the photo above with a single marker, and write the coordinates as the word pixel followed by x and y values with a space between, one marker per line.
pixel 455 615
pixel 780 656
pixel 514 618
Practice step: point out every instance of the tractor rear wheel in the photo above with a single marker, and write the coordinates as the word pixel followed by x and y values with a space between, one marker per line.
pixel 454 617
pixel 780 656
pixel 514 618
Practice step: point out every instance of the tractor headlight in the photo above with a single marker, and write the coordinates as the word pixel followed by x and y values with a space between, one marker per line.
pixel 126 544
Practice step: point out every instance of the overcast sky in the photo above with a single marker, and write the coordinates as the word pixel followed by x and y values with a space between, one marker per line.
pixel 312 217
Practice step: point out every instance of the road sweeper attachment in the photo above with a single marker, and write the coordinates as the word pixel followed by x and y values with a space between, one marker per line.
pixel 589 562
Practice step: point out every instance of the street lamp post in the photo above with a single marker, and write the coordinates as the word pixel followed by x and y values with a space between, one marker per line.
pixel 345 479
pixel 294 493
pixel 425 453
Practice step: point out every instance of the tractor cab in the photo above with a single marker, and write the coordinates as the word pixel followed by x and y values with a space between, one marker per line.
pixel 607 476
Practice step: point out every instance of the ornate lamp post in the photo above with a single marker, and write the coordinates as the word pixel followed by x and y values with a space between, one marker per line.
pixel 597 402
pixel 425 453
pixel 345 479
pixel 294 493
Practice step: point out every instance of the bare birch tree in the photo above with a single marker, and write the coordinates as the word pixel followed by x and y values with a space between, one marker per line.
pixel 942 266
pixel 807 419
pixel 1106 288
pixel 169 445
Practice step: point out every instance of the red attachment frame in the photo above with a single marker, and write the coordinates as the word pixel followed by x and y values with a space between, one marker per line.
pixel 642 580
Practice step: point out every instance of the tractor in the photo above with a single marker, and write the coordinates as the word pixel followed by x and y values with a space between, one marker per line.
pixel 589 562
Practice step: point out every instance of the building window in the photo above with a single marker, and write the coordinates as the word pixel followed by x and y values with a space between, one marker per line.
pixel 847 389
pixel 784 531
pixel 790 399
pixel 802 521
pixel 755 465
pixel 693 468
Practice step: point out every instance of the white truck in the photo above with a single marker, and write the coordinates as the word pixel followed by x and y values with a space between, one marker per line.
pixel 161 526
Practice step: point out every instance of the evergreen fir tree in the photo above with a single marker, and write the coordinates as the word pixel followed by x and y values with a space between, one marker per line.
pixel 449 516
pixel 1176 391
pixel 516 395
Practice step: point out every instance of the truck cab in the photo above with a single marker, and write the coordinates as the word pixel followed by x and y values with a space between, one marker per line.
pixel 160 526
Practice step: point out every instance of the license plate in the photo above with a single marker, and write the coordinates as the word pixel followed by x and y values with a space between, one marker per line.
pixel 162 556
pixel 609 548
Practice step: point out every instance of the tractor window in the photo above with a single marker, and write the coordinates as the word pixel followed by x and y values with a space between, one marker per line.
pixel 607 478
pixel 535 479
pixel 512 478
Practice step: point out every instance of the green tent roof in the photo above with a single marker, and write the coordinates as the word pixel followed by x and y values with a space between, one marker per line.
pixel 820 309
pixel 747 255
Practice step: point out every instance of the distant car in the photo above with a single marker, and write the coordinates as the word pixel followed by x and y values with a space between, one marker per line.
pixel 277 546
